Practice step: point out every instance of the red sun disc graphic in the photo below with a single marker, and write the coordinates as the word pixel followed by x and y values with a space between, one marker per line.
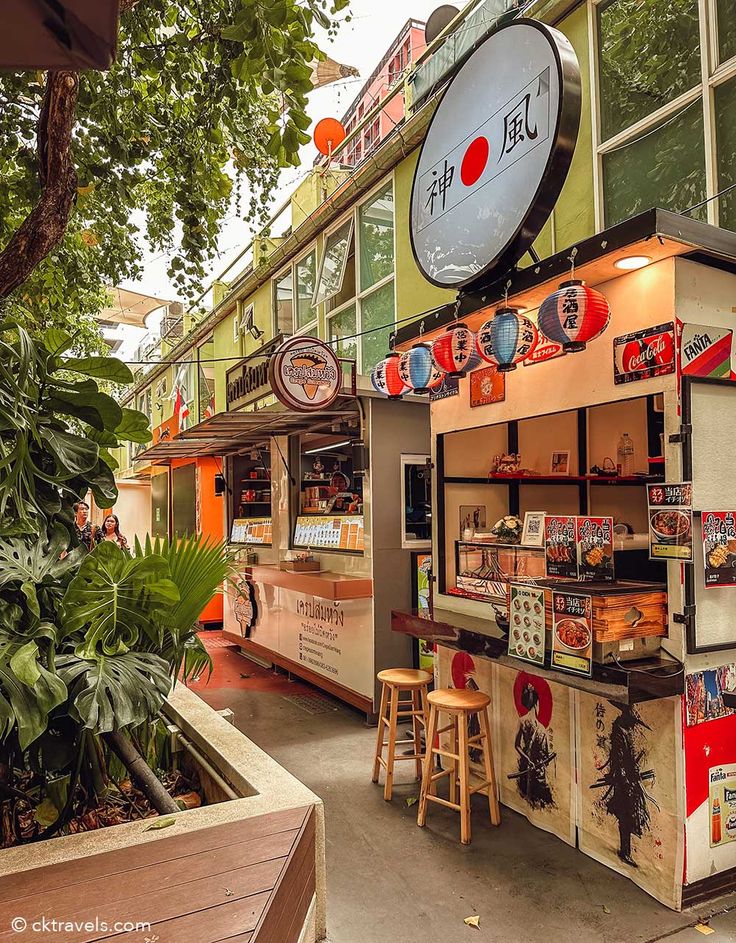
pixel 544 693
pixel 474 161
pixel 462 667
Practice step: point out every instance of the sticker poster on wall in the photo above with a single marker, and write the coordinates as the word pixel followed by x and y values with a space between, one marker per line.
pixel 644 354
pixel 705 351
pixel 629 797
pixel 560 548
pixel 722 804
pixel 526 623
pixel 487 386
pixel 671 521
pixel 719 548
pixel 450 386
pixel 704 693
pixel 572 633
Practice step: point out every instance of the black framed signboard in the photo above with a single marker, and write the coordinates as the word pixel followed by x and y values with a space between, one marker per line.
pixel 496 155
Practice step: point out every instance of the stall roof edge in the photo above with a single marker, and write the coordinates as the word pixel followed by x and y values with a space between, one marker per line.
pixel 231 432
pixel 676 235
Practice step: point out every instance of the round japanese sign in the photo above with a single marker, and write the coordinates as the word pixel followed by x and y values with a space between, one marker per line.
pixel 305 374
pixel 496 155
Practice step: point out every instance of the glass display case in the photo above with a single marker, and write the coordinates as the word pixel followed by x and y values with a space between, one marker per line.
pixel 250 499
pixel 485 569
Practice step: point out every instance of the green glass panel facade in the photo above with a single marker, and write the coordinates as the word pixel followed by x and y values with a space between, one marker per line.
pixel 664 167
pixel 377 310
pixel 648 55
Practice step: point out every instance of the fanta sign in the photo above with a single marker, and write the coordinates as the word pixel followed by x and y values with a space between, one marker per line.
pixel 305 374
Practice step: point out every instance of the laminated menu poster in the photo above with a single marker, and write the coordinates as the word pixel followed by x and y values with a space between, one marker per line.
pixel 719 548
pixel 572 633
pixel 526 623
pixel 594 538
pixel 560 548
pixel 671 521
pixel 722 797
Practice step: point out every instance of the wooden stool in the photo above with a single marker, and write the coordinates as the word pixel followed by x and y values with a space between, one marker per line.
pixel 396 681
pixel 461 705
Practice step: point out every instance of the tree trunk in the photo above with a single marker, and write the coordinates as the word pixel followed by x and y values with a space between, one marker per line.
pixel 45 225
pixel 141 772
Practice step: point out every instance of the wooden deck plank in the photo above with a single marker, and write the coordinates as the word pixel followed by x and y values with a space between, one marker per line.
pixel 289 902
pixel 206 926
pixel 131 884
pixel 160 903
pixel 176 846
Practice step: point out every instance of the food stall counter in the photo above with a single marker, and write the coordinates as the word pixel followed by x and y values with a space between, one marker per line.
pixel 323 584
pixel 627 683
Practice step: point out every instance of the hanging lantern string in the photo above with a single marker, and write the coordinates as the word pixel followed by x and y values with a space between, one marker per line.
pixel 572 262
pixel 506 293
pixel 457 311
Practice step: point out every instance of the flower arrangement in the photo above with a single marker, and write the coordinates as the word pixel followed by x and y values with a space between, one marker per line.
pixel 508 529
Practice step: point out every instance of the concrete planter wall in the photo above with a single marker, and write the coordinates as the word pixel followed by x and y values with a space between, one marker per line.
pixel 262 785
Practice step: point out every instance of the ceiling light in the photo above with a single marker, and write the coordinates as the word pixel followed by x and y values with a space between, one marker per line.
pixel 631 262
pixel 327 448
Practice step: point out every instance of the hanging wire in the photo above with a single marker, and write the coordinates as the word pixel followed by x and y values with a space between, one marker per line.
pixel 267 356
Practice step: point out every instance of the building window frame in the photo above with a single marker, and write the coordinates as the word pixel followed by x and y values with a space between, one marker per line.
pixel 361 295
pixel 712 74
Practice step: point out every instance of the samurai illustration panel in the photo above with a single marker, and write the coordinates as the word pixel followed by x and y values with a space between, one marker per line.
pixel 629 765
pixel 533 749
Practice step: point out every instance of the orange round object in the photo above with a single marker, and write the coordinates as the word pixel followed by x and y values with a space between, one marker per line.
pixel 328 133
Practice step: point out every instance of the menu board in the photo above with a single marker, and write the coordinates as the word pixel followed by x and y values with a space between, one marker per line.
pixel 329 533
pixel 526 623
pixel 560 548
pixel 671 521
pixel 722 803
pixel 719 548
pixel 572 633
pixel 252 530
pixel 594 538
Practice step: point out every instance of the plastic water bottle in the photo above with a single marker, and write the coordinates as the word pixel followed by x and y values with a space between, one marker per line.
pixel 625 456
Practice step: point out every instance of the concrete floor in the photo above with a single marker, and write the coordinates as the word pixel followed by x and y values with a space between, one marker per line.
pixel 391 882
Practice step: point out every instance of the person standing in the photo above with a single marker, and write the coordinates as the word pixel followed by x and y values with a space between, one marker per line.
pixel 84 530
pixel 110 530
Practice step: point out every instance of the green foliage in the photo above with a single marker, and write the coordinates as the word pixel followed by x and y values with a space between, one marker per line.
pixel 197 566
pixel 203 107
pixel 53 425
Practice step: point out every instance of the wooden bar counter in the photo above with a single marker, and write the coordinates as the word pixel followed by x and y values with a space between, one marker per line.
pixel 336 587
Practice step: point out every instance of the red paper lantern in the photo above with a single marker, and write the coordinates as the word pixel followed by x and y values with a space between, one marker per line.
pixel 574 315
pixel 385 377
pixel 454 351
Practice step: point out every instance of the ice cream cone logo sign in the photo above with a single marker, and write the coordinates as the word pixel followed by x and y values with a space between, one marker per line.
pixel 305 374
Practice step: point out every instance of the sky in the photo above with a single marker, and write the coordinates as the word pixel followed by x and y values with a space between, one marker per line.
pixel 361 43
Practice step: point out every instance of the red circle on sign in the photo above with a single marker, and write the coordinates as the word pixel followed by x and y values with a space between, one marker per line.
pixel 474 161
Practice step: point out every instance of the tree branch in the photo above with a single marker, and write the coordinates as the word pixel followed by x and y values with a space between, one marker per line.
pixel 45 225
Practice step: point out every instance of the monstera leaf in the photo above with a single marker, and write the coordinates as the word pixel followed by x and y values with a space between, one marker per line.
pixel 28 694
pixel 36 567
pixel 114 598
pixel 107 693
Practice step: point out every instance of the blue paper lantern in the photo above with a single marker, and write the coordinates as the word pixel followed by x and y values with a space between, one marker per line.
pixel 415 368
pixel 506 339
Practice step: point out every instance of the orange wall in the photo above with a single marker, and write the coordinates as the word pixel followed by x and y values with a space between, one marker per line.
pixel 210 519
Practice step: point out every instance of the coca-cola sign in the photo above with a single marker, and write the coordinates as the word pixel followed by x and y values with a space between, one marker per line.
pixel 644 354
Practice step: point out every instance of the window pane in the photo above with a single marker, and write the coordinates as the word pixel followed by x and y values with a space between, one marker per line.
pixel 648 53
pixel 377 238
pixel 333 263
pixel 377 310
pixel 664 167
pixel 284 302
pixel 344 325
pixel 348 283
pixel 725 101
pixel 726 29
pixel 305 279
